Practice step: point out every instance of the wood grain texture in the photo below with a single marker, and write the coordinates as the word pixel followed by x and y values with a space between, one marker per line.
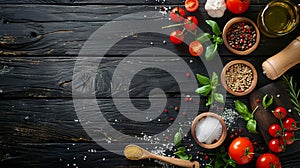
pixel 39 44
pixel 50 77
pixel 130 2
pixel 62 30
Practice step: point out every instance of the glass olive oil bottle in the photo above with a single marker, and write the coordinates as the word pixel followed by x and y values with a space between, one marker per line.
pixel 278 18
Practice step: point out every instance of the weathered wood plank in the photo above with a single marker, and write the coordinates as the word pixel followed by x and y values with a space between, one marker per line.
pixel 62 30
pixel 55 120
pixel 52 77
pixel 136 2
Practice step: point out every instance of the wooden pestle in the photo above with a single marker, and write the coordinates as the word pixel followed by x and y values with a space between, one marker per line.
pixel 278 64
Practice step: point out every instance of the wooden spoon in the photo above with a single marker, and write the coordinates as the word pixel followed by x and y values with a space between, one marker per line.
pixel 134 152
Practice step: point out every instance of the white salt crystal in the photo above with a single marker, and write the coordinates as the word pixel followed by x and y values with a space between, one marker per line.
pixel 208 130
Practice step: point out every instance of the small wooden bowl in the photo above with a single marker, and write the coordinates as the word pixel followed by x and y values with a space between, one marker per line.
pixel 253 83
pixel 221 138
pixel 237 20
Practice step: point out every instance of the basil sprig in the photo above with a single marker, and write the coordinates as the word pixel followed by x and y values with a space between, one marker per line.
pixel 211 49
pixel 209 88
pixel 248 116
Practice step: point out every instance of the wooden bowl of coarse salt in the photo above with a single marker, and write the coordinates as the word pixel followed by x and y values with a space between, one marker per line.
pixel 209 130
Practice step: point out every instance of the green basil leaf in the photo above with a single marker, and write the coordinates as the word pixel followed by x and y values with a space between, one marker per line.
pixel 203 90
pixel 219 97
pixel 215 28
pixel 203 80
pixel 181 155
pixel 181 149
pixel 209 100
pixel 219 163
pixel 214 79
pixel 243 110
pixel 241 107
pixel 251 126
pixel 210 52
pixel 218 40
pixel 266 103
pixel 177 138
pixel 204 37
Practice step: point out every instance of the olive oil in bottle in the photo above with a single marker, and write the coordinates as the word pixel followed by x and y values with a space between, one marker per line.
pixel 278 18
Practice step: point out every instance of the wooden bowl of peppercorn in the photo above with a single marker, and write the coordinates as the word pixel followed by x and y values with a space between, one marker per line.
pixel 239 77
pixel 241 35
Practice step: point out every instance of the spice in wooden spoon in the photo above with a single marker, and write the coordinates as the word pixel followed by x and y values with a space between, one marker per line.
pixel 134 152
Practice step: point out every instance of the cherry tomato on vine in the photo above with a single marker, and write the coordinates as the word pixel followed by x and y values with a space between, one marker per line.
pixel 275 130
pixel 191 5
pixel 279 113
pixel 176 37
pixel 196 48
pixel 237 6
pixel 268 160
pixel 289 124
pixel 276 145
pixel 191 23
pixel 241 150
pixel 177 14
pixel 289 138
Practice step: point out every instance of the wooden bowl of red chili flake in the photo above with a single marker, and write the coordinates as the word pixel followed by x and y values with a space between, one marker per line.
pixel 241 35
pixel 239 77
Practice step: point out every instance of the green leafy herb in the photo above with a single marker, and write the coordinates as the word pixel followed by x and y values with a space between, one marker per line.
pixel 177 137
pixel 223 160
pixel 215 28
pixel 181 153
pixel 248 116
pixel 204 37
pixel 266 103
pixel 211 49
pixel 209 88
pixel 294 92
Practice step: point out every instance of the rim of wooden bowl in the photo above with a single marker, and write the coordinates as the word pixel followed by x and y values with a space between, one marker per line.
pixel 222 137
pixel 253 84
pixel 236 20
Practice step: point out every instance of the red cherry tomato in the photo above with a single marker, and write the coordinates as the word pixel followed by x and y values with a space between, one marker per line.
pixel 275 130
pixel 276 145
pixel 280 113
pixel 289 138
pixel 237 6
pixel 268 160
pixel 177 14
pixel 241 150
pixel 191 5
pixel 176 37
pixel 289 124
pixel 191 23
pixel 195 48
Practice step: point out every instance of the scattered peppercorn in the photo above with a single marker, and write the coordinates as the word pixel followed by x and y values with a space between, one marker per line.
pixel 187 74
pixel 257 100
pixel 241 36
pixel 166 110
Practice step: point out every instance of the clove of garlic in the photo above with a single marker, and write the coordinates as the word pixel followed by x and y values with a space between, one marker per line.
pixel 215 8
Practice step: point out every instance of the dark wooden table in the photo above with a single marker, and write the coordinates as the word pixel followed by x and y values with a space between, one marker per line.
pixel 40 42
